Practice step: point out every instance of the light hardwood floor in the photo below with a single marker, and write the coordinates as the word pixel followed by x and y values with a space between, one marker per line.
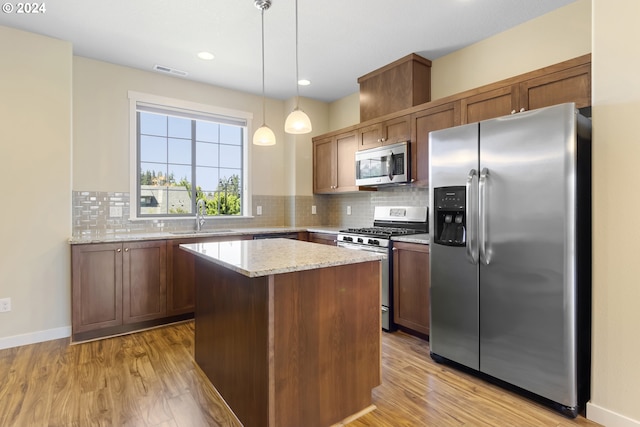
pixel 150 379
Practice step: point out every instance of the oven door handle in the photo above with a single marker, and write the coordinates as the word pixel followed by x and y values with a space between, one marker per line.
pixel 352 246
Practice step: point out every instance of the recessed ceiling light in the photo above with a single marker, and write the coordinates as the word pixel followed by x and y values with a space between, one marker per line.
pixel 304 82
pixel 207 56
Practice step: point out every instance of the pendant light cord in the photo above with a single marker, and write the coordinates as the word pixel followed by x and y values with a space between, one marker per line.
pixel 297 75
pixel 264 121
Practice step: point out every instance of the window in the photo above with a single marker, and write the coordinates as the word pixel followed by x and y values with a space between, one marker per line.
pixel 184 155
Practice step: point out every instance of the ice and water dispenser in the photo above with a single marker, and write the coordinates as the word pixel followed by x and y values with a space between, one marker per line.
pixel 450 216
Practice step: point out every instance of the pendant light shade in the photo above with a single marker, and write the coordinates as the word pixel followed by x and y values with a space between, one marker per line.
pixel 263 135
pixel 297 122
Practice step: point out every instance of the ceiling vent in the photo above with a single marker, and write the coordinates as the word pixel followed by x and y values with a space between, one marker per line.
pixel 168 70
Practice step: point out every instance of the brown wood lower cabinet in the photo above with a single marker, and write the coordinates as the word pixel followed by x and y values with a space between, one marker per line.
pixel 117 283
pixel 126 286
pixel 96 286
pixel 181 274
pixel 411 286
pixel 144 281
pixel 180 278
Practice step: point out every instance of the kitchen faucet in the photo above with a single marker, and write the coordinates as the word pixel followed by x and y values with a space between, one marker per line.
pixel 200 212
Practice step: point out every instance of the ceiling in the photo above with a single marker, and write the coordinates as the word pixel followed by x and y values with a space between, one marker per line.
pixel 339 40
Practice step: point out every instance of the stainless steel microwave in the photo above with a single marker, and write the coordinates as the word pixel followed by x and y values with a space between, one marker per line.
pixel 384 165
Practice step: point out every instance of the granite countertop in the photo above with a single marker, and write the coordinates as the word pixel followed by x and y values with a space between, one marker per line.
pixel 256 258
pixel 165 235
pixel 422 239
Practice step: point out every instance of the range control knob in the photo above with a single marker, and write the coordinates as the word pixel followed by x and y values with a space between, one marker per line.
pixel 374 242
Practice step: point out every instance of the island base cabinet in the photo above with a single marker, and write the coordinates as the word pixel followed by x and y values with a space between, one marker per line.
pixel 292 349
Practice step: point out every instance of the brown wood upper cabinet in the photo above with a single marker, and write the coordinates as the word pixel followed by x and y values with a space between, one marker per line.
pixel 568 81
pixel 422 122
pixel 384 133
pixel 117 283
pixel 568 85
pixel 411 286
pixel 334 163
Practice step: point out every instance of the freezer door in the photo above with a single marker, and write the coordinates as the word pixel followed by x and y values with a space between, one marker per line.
pixel 527 277
pixel 454 278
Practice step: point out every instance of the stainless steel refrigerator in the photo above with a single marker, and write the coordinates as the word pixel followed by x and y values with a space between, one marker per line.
pixel 510 224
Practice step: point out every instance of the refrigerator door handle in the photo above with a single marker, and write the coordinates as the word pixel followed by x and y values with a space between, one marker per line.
pixel 482 235
pixel 472 214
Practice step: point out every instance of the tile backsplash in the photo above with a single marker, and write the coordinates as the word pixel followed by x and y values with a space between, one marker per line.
pixel 105 213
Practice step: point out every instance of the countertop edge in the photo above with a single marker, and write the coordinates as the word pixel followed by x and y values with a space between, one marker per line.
pixel 168 235
pixel 422 239
pixel 356 257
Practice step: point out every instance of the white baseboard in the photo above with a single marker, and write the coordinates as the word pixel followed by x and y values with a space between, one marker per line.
pixel 35 337
pixel 608 418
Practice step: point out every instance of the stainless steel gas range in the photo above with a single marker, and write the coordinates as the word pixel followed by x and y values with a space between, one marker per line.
pixel 388 222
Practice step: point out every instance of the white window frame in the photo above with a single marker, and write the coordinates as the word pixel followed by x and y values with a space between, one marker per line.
pixel 182 105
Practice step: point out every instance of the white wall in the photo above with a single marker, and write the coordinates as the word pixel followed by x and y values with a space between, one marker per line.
pixel 101 124
pixel 555 37
pixel 345 112
pixel 35 150
pixel 616 270
pixel 299 148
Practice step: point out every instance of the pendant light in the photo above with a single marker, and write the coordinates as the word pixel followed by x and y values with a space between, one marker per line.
pixel 297 121
pixel 263 135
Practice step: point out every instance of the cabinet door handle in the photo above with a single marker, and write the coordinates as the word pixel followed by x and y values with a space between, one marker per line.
pixel 522 109
pixel 126 250
pixel 119 250
pixel 513 111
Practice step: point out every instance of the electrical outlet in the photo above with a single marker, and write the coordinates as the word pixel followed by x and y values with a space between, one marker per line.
pixel 348 210
pixel 115 211
pixel 5 305
pixel 258 210
pixel 313 210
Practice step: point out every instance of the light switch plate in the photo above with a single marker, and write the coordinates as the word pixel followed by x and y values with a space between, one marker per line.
pixel 348 210
pixel 258 210
pixel 313 210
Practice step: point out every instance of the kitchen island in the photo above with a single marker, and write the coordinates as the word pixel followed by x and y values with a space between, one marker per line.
pixel 288 332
